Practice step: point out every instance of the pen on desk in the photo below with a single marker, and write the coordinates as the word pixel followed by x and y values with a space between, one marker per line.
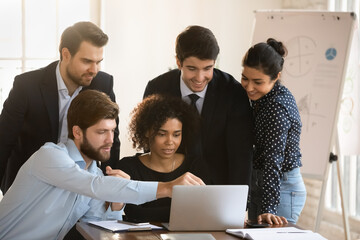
pixel 133 223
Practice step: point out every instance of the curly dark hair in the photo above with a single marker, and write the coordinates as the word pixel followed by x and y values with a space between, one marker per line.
pixel 154 111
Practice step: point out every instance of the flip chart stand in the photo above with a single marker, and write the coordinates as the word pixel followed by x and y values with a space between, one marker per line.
pixel 334 158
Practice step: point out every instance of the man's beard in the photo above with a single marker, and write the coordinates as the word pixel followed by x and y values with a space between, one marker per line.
pixel 78 80
pixel 92 153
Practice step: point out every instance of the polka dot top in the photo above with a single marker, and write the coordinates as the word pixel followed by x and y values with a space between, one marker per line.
pixel 277 137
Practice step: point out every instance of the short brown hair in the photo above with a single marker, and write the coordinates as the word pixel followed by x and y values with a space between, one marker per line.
pixel 88 108
pixel 74 35
pixel 196 41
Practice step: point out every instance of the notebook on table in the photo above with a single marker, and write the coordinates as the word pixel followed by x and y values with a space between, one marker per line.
pixel 207 208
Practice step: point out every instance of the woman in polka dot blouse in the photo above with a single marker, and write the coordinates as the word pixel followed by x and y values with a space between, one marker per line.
pixel 277 188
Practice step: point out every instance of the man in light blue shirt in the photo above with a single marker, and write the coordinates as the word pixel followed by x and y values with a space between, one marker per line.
pixel 61 184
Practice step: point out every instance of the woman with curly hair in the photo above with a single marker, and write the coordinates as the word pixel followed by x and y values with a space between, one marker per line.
pixel 159 125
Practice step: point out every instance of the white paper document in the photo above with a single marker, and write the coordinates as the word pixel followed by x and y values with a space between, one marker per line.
pixel 187 236
pixel 285 233
pixel 115 226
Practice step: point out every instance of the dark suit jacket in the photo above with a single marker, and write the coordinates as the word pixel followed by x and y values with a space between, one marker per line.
pixel 30 117
pixel 226 131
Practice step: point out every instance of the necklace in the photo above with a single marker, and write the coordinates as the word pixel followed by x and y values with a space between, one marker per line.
pixel 173 165
pixel 152 167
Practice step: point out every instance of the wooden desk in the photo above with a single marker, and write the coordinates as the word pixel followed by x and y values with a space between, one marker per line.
pixel 90 232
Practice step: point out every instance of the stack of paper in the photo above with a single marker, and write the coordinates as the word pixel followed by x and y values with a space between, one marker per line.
pixel 285 233
pixel 115 226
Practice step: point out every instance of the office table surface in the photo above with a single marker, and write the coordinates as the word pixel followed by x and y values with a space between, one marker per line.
pixel 90 232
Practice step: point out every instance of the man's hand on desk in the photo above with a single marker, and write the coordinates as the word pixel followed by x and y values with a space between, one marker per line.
pixel 271 219
pixel 165 188
pixel 116 173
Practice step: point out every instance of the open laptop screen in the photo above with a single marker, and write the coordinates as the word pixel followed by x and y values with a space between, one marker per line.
pixel 208 208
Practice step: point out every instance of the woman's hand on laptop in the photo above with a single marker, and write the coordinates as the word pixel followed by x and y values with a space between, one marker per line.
pixel 187 179
pixel 271 219
pixel 165 188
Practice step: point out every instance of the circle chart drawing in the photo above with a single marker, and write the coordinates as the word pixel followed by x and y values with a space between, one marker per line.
pixel 330 54
pixel 301 53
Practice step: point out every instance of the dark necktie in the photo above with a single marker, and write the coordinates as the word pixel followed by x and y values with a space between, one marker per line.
pixel 194 97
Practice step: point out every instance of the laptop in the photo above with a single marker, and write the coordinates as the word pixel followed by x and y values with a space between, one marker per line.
pixel 207 208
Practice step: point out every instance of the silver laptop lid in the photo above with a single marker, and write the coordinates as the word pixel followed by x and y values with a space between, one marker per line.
pixel 208 208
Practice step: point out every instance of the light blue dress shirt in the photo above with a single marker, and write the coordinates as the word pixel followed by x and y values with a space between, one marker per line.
pixel 52 191
pixel 64 103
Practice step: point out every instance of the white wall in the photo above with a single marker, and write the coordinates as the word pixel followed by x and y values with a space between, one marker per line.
pixel 142 41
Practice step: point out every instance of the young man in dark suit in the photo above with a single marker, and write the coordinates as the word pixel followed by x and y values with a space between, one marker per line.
pixel 225 144
pixel 36 108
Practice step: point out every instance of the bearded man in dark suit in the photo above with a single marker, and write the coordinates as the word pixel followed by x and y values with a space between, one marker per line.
pixel 36 109
pixel 225 140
